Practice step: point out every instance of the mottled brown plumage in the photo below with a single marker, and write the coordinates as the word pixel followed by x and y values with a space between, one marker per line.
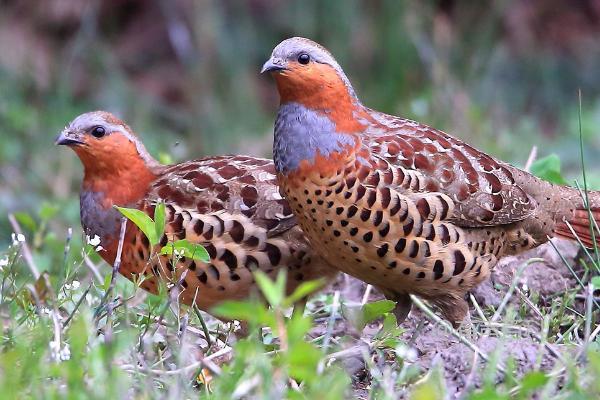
pixel 397 203
pixel 229 204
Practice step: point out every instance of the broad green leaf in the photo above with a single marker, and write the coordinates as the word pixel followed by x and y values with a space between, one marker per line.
pixel 303 359
pixel 548 168
pixel 186 249
pixel 239 310
pixel 273 291
pixel 376 309
pixel 533 381
pixel 360 317
pixel 26 221
pixel 165 158
pixel 47 211
pixel 596 282
pixel 159 220
pixel 304 290
pixel 106 282
pixel 431 387
pixel 142 221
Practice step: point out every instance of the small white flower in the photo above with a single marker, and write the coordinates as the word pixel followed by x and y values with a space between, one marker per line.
pixel 406 353
pixel 178 253
pixel 65 353
pixel 17 238
pixel 59 354
pixel 99 248
pixel 75 285
pixel 3 262
pixel 95 241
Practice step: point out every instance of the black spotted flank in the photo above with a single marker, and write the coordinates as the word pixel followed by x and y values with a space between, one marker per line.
pixel 382 250
pixel 273 253
pixel 214 272
pixel 202 277
pixel 400 245
pixel 252 241
pixel 444 234
pixel 229 259
pixel 378 218
pixel 237 232
pixel 352 210
pixel 423 208
pixel 408 227
pixel 413 249
pixel 367 237
pixel 339 210
pixel 360 192
pixel 438 269
pixel 353 231
pixel 421 275
pixel 385 230
pixel 371 198
pixel 251 262
pixel 459 262
pixel 211 250
pixel 365 214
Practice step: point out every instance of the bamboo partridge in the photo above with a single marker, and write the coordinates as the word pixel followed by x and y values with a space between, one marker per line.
pixel 396 203
pixel 229 204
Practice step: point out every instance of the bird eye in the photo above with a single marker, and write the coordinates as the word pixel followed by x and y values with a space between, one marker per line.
pixel 98 131
pixel 303 58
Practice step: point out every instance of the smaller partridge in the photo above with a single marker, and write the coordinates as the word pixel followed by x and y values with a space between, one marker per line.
pixel 229 204
pixel 403 206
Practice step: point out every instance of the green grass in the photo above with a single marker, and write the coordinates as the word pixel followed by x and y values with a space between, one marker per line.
pixel 81 335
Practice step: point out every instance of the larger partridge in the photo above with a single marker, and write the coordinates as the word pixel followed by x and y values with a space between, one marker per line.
pixel 396 203
pixel 229 204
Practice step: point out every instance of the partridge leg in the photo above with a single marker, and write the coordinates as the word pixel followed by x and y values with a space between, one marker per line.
pixel 453 307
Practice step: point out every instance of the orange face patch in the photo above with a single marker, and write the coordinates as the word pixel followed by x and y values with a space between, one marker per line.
pixel 113 165
pixel 320 88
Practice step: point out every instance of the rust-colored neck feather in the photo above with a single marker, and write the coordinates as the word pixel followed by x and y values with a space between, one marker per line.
pixel 319 87
pixel 118 168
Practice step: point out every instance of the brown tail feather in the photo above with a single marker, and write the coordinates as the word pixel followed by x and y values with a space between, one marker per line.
pixel 581 226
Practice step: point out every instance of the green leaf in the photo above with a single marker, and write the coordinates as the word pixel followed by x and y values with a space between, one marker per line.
pixel 596 282
pixel 142 221
pixel 304 290
pixel 186 249
pixel 26 221
pixel 159 220
pixel 47 211
pixel 548 168
pixel 360 317
pixel 533 381
pixel 273 291
pixel 165 158
pixel 376 309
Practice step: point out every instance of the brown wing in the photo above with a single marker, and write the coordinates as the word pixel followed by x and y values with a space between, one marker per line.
pixel 233 184
pixel 483 189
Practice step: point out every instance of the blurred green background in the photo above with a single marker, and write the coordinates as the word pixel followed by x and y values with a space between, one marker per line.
pixel 502 75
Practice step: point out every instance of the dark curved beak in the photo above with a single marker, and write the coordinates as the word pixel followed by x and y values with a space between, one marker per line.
pixel 68 138
pixel 274 65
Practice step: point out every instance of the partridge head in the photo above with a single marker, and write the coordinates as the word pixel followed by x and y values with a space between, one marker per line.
pixel 229 204
pixel 403 206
